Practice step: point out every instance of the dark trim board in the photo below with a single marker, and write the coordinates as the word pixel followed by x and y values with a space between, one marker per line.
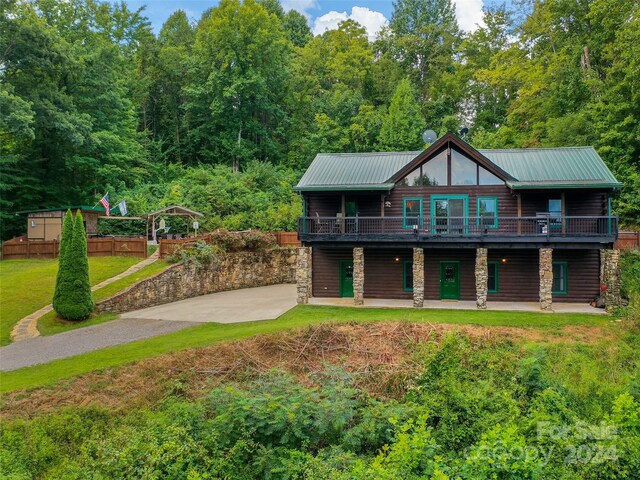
pixel 350 241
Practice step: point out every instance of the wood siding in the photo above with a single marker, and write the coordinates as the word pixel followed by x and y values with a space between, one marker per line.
pixel 383 274
pixel 325 265
pixel 578 202
pixel 518 278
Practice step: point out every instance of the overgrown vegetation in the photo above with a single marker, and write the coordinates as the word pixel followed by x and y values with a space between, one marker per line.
pixel 247 87
pixel 204 252
pixel 455 406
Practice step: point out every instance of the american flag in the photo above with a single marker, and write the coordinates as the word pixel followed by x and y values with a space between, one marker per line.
pixel 105 203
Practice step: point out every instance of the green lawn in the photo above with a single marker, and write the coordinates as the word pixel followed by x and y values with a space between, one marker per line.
pixel 27 285
pixel 50 324
pixel 300 316
pixel 119 285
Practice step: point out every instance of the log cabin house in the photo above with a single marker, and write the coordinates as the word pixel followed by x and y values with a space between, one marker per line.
pixel 455 223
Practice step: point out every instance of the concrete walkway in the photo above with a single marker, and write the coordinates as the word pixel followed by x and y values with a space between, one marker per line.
pixel 28 326
pixel 245 305
pixel 558 307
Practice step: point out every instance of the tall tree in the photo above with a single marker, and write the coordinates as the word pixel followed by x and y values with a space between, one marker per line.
pixel 402 127
pixel 296 27
pixel 423 37
pixel 239 82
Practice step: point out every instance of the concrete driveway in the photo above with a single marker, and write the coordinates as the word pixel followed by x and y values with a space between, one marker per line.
pixel 245 305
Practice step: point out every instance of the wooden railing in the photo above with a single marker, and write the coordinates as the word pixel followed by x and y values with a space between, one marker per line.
pixel 539 226
pixel 96 247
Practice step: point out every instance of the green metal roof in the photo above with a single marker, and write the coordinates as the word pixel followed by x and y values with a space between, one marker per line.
pixel 83 208
pixel 363 171
pixel 565 167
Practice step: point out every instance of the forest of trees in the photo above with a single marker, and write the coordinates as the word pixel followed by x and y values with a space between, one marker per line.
pixel 224 114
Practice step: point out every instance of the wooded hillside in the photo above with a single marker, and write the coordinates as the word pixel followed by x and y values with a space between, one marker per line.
pixel 93 101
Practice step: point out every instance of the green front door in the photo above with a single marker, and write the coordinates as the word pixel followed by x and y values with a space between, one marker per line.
pixel 346 278
pixel 450 280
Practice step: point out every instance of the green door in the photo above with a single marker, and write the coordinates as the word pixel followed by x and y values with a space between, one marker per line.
pixel 450 280
pixel 346 278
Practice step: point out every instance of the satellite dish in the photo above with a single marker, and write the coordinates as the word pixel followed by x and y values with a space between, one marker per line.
pixel 429 136
pixel 464 131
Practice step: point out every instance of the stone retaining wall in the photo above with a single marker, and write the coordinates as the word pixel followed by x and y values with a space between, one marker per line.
pixel 230 271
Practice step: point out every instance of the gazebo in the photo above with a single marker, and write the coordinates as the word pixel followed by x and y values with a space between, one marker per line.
pixel 171 211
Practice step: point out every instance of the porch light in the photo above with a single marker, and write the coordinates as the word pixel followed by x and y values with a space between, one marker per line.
pixel 397 259
pixel 387 204
pixel 504 260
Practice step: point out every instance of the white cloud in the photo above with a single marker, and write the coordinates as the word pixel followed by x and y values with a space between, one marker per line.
pixel 469 14
pixel 371 20
pixel 302 6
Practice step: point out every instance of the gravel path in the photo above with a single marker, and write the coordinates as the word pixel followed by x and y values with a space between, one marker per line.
pixel 45 349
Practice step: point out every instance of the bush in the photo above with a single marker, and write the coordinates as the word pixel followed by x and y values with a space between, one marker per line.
pixel 73 288
pixel 65 241
pixel 198 256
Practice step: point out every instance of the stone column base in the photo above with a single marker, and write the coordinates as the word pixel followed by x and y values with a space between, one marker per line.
pixel 358 276
pixel 303 275
pixel 610 278
pixel 418 277
pixel 546 279
pixel 482 278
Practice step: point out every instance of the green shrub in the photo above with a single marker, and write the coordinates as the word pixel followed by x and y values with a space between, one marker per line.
pixel 74 300
pixel 197 256
pixel 65 241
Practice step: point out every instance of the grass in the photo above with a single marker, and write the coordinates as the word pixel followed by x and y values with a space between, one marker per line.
pixel 300 316
pixel 27 285
pixel 119 285
pixel 50 324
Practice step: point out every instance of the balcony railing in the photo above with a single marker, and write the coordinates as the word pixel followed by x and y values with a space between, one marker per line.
pixel 539 227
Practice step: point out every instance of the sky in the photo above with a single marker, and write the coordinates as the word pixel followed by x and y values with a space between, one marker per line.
pixel 322 15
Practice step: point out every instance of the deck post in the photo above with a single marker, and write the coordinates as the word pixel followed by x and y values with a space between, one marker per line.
pixel 358 276
pixel 418 277
pixel 482 277
pixel 610 277
pixel 546 279
pixel 303 275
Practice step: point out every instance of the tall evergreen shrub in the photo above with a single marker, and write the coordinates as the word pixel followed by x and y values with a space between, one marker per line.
pixel 65 241
pixel 74 300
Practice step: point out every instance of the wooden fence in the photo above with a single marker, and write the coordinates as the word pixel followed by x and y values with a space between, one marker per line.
pixel 167 247
pixel 102 246
pixel 287 239
pixel 628 241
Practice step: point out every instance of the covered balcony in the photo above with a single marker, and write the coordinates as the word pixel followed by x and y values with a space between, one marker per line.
pixel 461 231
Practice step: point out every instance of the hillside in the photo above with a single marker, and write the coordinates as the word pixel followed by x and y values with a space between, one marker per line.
pixel 396 400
